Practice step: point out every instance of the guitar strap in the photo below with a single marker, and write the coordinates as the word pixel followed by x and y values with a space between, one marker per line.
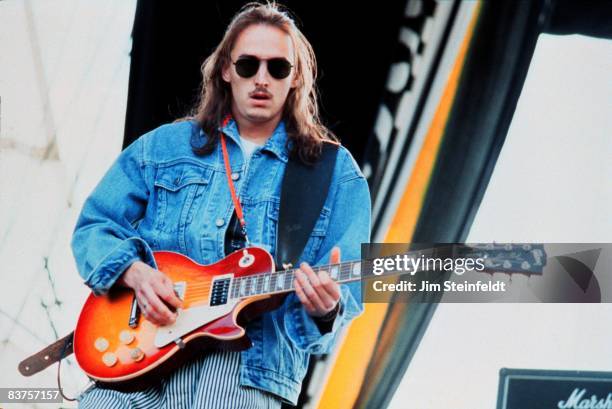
pixel 303 194
pixel 49 355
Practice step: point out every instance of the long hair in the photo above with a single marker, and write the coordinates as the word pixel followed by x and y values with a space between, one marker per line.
pixel 300 113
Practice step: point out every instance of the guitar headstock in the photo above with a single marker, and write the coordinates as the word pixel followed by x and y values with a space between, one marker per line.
pixel 509 258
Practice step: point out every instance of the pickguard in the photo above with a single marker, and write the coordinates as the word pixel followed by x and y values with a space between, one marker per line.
pixel 189 320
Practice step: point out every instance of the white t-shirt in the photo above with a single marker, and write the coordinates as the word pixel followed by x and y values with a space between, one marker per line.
pixel 248 147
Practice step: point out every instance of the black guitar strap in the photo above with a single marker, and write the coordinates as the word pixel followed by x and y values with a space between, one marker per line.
pixel 303 194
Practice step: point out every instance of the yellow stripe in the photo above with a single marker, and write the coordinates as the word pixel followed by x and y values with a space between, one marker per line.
pixel 346 377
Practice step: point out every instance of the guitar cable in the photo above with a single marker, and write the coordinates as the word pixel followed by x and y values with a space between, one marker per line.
pixel 59 365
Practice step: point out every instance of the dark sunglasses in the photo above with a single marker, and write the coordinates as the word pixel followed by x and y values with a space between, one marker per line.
pixel 278 68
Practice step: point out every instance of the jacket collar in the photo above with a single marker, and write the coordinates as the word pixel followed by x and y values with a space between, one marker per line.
pixel 276 144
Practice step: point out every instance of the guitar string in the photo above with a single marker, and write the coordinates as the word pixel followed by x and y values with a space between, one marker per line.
pixel 259 287
pixel 260 282
pixel 261 277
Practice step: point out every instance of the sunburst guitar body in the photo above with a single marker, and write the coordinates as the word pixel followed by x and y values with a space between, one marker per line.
pixel 115 344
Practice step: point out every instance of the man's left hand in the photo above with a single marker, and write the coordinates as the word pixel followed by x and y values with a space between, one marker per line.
pixel 318 293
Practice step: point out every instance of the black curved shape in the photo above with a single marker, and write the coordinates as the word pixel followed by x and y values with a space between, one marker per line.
pixel 588 17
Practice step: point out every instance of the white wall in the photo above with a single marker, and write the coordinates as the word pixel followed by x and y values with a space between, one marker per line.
pixel 552 183
pixel 64 70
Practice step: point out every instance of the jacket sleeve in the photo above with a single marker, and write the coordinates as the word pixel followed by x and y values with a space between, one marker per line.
pixel 349 227
pixel 105 241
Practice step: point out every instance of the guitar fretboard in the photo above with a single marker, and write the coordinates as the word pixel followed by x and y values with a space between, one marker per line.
pixel 282 281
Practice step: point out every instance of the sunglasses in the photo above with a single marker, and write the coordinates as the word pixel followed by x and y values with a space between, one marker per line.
pixel 248 66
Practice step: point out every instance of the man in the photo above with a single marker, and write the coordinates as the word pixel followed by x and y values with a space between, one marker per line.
pixel 169 191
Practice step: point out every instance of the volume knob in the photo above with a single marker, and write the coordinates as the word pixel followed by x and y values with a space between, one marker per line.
pixel 101 344
pixel 109 359
pixel 136 354
pixel 126 336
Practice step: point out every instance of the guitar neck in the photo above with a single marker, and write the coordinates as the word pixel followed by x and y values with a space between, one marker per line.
pixel 525 259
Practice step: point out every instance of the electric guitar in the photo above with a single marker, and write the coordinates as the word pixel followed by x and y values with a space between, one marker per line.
pixel 115 344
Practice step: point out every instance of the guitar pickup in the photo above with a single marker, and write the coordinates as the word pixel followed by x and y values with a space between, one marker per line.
pixel 220 290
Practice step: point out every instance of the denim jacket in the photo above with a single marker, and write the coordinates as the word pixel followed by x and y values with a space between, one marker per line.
pixel 159 195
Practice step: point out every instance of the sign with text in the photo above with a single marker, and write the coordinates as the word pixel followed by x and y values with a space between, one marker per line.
pixel 544 389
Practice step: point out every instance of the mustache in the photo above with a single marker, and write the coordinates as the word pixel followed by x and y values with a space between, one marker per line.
pixel 260 91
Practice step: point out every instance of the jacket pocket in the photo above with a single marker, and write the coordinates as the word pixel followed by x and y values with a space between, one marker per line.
pixel 178 189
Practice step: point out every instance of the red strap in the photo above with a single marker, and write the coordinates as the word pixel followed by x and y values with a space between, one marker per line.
pixel 230 182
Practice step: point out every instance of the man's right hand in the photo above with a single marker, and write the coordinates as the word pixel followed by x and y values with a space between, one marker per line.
pixel 154 292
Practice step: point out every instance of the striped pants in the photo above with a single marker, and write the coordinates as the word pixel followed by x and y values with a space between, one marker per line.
pixel 211 382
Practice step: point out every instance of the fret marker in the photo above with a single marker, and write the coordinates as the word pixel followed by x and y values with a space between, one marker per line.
pixel 333 272
pixel 357 269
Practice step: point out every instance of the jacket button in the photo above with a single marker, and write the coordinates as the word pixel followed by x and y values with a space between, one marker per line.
pixel 220 222
pixel 235 176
